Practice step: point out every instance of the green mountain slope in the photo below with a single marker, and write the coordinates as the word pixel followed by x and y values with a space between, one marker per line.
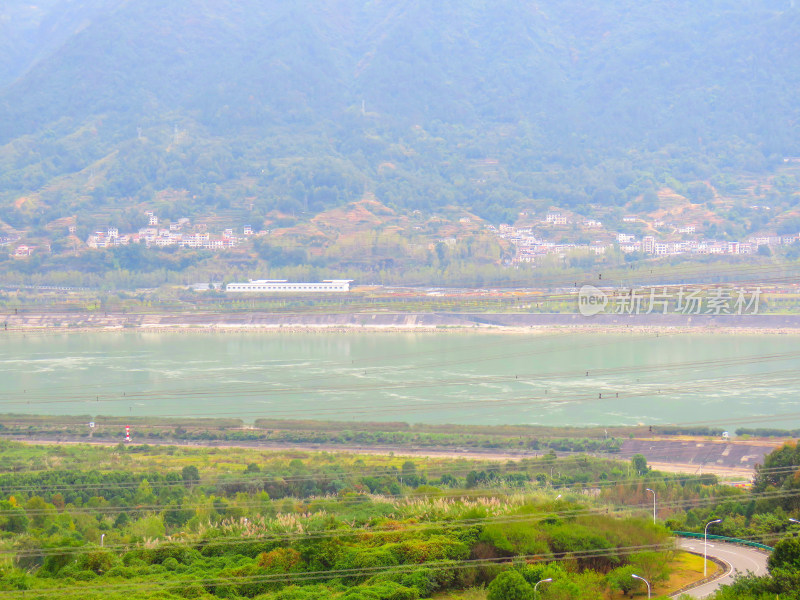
pixel 33 30
pixel 261 105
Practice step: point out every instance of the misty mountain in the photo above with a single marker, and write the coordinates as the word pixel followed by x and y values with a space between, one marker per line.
pixel 31 31
pixel 303 105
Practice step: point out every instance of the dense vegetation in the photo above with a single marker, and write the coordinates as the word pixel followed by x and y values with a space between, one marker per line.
pixel 32 286
pixel 768 432
pixel 136 521
pixel 312 525
pixel 388 435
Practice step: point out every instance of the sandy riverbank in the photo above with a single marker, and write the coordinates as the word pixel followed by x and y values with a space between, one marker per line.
pixel 343 323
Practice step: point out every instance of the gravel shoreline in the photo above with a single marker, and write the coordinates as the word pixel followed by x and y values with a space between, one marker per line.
pixel 342 323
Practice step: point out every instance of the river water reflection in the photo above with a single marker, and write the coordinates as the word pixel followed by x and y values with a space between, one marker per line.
pixel 561 378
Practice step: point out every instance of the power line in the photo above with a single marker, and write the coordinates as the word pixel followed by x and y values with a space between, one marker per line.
pixel 526 464
pixel 459 494
pixel 289 536
pixel 548 398
pixel 363 571
pixel 574 373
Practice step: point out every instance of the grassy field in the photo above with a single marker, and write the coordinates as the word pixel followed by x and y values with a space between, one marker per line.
pixel 687 568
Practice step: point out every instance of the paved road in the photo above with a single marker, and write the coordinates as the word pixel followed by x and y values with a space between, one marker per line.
pixel 740 558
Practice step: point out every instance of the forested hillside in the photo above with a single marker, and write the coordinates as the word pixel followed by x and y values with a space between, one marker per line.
pixel 266 107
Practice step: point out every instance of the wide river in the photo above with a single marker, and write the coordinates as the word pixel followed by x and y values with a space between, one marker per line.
pixel 562 378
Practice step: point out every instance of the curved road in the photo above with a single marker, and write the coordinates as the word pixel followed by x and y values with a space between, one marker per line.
pixel 739 558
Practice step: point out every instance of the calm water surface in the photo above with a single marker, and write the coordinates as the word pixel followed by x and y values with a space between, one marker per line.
pixel 566 378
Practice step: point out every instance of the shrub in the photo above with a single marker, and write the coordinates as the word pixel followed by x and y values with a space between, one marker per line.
pixel 510 585
pixel 622 579
pixel 98 561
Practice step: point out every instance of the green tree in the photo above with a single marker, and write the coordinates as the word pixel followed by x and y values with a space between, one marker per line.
pixel 639 463
pixel 410 476
pixel 653 566
pixel 190 474
pixel 144 494
pixel 510 585
pixel 122 520
pixel 98 561
pixel 148 527
pixel 777 467
pixel 12 517
pixel 784 565
pixel 622 579
pixel 40 510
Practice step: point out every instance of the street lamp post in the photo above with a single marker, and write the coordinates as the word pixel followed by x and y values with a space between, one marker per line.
pixel 647 583
pixel 654 504
pixel 705 546
pixel 791 520
pixel 548 580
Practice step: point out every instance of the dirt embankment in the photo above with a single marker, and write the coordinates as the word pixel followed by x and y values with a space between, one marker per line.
pixel 389 321
pixel 695 455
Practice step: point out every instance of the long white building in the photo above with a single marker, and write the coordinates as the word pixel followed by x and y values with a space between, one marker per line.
pixel 283 285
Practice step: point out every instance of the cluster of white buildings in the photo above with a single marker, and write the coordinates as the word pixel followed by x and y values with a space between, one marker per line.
pixel 649 245
pixel 529 247
pixel 557 218
pixel 174 234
